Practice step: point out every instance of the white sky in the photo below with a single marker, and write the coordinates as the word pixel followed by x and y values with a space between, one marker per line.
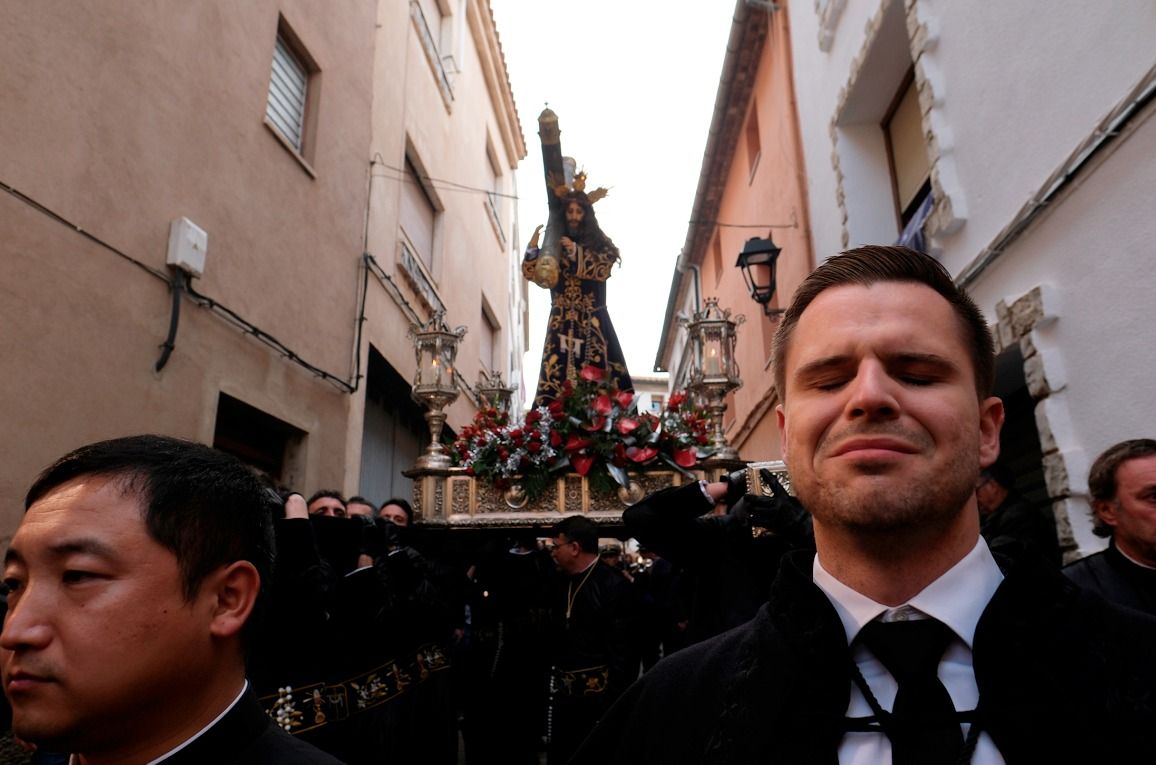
pixel 633 84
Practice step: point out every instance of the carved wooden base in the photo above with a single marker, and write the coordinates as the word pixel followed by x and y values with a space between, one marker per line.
pixel 450 498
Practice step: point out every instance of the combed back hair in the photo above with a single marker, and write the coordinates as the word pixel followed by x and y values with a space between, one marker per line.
pixel 864 266
pixel 325 493
pixel 403 504
pixel 580 529
pixel 205 506
pixel 360 500
pixel 1102 476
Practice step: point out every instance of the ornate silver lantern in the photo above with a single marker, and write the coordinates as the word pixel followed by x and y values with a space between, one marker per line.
pixel 713 370
pixel 436 348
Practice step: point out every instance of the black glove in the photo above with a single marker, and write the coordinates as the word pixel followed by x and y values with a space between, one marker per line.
pixel 780 513
pixel 391 533
pixel 372 537
pixel 736 487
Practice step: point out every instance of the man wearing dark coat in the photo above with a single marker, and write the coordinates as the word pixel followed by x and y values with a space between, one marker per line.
pixel 1122 482
pixel 133 575
pixel 593 620
pixel 1006 517
pixel 902 639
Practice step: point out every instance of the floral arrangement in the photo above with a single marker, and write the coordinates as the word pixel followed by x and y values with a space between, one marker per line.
pixel 592 428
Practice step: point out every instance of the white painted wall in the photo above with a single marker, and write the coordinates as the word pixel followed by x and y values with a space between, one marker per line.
pixel 1018 85
pixel 1096 252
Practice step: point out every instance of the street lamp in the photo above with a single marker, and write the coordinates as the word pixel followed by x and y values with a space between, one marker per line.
pixel 494 392
pixel 713 370
pixel 436 348
pixel 757 260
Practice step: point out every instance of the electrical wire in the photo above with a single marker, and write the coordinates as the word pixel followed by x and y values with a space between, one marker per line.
pixel 251 329
pixel 205 301
pixel 90 237
pixel 449 185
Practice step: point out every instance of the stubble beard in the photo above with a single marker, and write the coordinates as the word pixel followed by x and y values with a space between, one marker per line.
pixel 882 506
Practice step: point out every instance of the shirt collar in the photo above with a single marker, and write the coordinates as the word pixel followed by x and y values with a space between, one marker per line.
pixel 75 759
pixel 957 598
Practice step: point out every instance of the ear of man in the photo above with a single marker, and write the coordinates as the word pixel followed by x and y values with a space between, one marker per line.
pixel 1105 510
pixel 231 594
pixel 991 417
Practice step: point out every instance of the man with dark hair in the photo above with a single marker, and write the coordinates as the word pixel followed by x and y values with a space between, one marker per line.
pixel 902 639
pixel 397 511
pixel 1122 483
pixel 327 502
pixel 1006 518
pixel 134 574
pixel 593 622
pixel 361 507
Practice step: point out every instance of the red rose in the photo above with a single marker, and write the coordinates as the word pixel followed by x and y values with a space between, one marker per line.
pixel 576 442
pixel 567 387
pixel 592 373
pixel 685 457
pixel 624 397
pixel 582 463
pixel 555 438
pixel 641 454
pixel 555 408
pixel 627 425
pixel 619 455
pixel 595 425
pixel 602 404
pixel 533 447
pixel 676 400
pixel 533 416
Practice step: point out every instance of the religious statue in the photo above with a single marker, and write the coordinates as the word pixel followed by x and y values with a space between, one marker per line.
pixel 574 263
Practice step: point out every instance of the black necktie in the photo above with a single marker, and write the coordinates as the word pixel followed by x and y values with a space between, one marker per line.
pixel 923 729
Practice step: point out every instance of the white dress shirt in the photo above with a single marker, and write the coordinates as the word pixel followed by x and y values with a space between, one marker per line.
pixel 957 599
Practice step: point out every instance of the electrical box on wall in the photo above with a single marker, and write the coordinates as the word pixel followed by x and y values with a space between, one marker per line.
pixel 188 244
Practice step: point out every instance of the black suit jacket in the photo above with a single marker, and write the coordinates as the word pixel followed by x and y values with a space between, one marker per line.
pixel 1113 577
pixel 1063 677
pixel 247 736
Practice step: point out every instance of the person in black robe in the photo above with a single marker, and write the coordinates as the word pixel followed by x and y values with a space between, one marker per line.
pixel 1123 486
pixel 578 332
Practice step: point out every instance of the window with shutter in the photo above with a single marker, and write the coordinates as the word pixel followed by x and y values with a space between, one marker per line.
pixel 288 89
pixel 418 215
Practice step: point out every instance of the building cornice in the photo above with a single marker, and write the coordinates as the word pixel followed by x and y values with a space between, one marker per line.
pixel 497 77
pixel 736 83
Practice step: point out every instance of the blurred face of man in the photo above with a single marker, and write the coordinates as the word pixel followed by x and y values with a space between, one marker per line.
pixel 328 506
pixel 395 515
pixel 357 508
pixel 1132 513
pixel 99 642
pixel 881 427
pixel 565 553
pixel 574 216
pixel 989 494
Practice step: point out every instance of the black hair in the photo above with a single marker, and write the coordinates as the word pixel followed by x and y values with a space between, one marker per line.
pixel 580 529
pixel 360 500
pixel 205 506
pixel 322 493
pixel 404 505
